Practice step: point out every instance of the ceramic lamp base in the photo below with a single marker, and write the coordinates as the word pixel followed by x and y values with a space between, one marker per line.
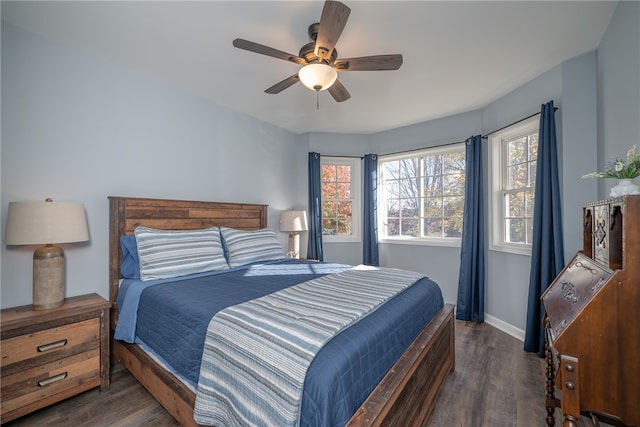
pixel 48 277
pixel 294 245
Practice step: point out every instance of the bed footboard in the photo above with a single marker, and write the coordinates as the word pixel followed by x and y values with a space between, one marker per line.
pixel 407 394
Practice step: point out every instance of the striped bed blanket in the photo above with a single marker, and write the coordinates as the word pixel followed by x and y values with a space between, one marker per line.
pixel 256 354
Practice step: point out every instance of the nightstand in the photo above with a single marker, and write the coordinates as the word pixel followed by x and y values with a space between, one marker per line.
pixel 50 355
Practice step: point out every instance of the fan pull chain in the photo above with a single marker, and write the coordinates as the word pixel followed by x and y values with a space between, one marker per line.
pixel 317 100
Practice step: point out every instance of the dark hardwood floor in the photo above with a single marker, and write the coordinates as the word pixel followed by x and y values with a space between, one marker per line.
pixel 496 384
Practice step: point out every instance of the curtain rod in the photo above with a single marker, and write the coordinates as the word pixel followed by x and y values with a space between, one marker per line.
pixel 342 155
pixel 515 123
pixel 424 148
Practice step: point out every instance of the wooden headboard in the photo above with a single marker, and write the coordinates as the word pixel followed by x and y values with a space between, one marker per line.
pixel 127 213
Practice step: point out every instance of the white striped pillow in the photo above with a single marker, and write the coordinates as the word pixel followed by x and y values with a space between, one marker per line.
pixel 245 247
pixel 171 253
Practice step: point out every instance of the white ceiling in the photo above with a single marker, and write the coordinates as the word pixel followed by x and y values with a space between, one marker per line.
pixel 458 55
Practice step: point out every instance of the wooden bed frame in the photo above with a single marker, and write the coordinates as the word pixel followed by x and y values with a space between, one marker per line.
pixel 404 397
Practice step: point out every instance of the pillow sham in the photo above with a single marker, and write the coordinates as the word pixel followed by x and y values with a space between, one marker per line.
pixel 245 247
pixel 171 253
pixel 130 264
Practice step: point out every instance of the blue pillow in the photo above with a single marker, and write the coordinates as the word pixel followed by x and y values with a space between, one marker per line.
pixel 173 253
pixel 246 247
pixel 130 265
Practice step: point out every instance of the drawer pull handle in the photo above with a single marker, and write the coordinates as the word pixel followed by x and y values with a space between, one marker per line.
pixel 52 380
pixel 51 346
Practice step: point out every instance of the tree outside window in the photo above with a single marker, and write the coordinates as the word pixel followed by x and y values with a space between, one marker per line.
pixel 422 196
pixel 340 198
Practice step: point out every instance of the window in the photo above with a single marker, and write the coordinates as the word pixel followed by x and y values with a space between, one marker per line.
pixel 340 199
pixel 513 155
pixel 421 195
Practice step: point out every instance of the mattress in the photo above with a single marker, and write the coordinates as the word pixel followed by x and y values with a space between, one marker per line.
pixel 172 317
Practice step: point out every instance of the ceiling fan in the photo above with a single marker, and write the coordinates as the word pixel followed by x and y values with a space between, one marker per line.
pixel 318 58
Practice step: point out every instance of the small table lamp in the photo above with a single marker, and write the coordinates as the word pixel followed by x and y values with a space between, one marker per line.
pixel 35 223
pixel 293 222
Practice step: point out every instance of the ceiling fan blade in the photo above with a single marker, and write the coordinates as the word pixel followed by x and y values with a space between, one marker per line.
pixel 332 22
pixel 339 92
pixel 266 50
pixel 369 63
pixel 280 86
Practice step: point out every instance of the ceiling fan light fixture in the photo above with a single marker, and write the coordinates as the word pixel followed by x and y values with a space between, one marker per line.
pixel 317 76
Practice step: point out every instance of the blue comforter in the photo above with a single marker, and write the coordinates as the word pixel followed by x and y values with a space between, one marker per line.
pixel 172 319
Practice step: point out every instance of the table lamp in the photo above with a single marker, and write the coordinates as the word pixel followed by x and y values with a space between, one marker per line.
pixel 48 223
pixel 293 222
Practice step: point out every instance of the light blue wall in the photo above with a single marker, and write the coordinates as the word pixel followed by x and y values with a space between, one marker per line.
pixel 77 128
pixel 619 88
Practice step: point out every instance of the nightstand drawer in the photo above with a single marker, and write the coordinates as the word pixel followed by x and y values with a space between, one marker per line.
pixel 30 350
pixel 50 382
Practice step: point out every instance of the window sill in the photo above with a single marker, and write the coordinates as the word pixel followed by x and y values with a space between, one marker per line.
pixel 512 249
pixel 452 243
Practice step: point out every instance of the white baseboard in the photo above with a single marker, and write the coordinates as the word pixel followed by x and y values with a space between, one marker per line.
pixel 504 327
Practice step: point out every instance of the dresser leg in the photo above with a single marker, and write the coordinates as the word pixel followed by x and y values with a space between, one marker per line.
pixel 569 421
pixel 550 401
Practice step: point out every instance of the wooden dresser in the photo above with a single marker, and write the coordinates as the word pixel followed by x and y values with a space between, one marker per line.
pixel 593 320
pixel 49 355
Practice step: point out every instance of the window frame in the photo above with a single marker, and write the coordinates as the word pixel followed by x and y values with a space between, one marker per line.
pixel 356 196
pixel 409 240
pixel 497 159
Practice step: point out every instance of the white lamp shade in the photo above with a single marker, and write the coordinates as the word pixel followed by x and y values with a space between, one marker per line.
pixel 35 223
pixel 293 221
pixel 317 76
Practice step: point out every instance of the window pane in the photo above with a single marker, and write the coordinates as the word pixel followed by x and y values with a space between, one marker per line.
pixel 433 185
pixel 329 209
pixel 454 163
pixel 433 207
pixel 410 227
pixel 343 173
pixel 414 191
pixel 343 190
pixel 344 227
pixel 328 227
pixel 533 146
pixel 409 168
pixel 393 227
pixel 408 188
pixel 517 150
pixel 344 209
pixel 517 176
pixel 409 208
pixel 529 223
pixel 453 206
pixel 392 208
pixel 328 190
pixel 532 173
pixel 515 204
pixel 516 230
pixel 328 173
pixel 433 227
pixel 453 227
pixel 453 184
pixel 529 197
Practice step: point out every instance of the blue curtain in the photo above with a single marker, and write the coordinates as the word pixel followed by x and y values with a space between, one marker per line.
pixel 547 253
pixel 470 304
pixel 314 248
pixel 370 208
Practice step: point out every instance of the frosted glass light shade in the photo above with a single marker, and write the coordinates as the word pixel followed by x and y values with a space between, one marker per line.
pixel 293 221
pixel 317 76
pixel 34 223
